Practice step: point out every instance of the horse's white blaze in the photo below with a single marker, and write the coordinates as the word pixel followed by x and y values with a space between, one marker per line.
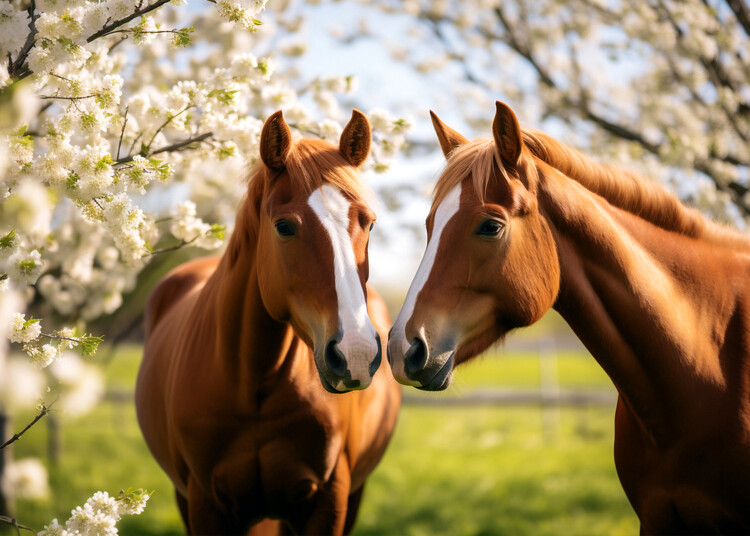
pixel 445 211
pixel 359 343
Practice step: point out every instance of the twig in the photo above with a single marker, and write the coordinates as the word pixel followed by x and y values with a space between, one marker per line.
pixel 131 30
pixel 47 97
pixel 181 245
pixel 124 124
pixel 13 522
pixel 42 413
pixel 174 147
pixel 164 125
pixel 116 24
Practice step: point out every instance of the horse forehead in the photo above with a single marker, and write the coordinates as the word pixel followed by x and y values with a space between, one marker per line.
pixel 330 204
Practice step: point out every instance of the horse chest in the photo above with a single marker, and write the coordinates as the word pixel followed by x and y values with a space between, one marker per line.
pixel 695 486
pixel 270 461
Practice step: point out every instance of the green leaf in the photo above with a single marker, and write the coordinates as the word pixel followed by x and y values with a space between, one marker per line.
pixel 103 163
pixel 9 240
pixel 27 267
pixel 72 181
pixel 218 231
pixel 89 345
pixel 31 321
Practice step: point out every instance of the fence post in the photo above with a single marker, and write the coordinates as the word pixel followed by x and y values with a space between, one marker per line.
pixel 6 502
pixel 549 388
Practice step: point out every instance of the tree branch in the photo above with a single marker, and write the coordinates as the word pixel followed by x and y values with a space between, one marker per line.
pixel 169 148
pixel 742 12
pixel 48 97
pixel 15 68
pixel 16 437
pixel 116 24
pixel 13 522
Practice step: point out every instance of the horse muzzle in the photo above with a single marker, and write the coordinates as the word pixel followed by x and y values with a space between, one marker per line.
pixel 349 363
pixel 416 365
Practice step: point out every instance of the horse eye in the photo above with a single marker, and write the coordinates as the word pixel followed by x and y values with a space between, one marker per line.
pixel 490 228
pixel 284 229
pixel 372 225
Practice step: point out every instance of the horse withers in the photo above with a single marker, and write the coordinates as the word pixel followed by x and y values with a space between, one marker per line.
pixel 251 394
pixel 657 293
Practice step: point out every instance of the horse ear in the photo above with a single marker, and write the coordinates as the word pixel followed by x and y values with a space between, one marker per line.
pixel 449 139
pixel 354 143
pixel 507 134
pixel 275 141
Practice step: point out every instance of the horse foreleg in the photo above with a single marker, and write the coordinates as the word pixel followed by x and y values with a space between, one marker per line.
pixel 329 509
pixel 182 504
pixel 352 509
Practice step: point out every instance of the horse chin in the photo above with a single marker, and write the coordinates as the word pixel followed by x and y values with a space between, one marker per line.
pixel 442 379
pixel 339 385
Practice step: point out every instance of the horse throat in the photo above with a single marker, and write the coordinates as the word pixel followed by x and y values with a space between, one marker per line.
pixel 250 344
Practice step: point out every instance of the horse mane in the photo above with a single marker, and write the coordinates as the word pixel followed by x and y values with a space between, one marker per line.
pixel 623 189
pixel 309 165
pixel 629 191
pixel 478 158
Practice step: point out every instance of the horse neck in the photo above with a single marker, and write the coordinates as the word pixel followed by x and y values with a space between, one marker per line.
pixel 653 307
pixel 250 344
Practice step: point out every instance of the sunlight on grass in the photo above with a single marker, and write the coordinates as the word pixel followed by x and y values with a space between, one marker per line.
pixel 449 470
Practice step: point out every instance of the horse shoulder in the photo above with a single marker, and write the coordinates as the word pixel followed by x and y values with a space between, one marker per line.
pixel 174 286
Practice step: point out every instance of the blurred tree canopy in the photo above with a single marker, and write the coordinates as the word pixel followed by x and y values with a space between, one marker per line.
pixel 662 84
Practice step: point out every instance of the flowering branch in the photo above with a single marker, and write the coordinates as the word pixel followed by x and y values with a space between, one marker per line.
pixel 108 29
pixel 169 148
pixel 170 118
pixel 44 411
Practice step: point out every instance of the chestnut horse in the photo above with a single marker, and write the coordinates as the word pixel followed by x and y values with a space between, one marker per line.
pixel 238 395
pixel 657 293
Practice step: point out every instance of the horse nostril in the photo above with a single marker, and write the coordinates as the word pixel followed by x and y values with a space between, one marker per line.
pixel 416 356
pixel 335 360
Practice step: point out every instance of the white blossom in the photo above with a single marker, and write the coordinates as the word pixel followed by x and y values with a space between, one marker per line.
pixel 42 356
pixel 132 504
pixel 22 331
pixel 53 529
pixel 26 479
pixel 88 522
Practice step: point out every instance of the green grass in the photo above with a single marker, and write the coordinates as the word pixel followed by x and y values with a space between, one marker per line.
pixel 449 470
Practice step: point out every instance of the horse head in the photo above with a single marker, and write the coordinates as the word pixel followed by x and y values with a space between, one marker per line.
pixel 491 261
pixel 314 227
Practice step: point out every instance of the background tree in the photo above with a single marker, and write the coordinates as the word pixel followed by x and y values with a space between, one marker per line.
pixel 661 84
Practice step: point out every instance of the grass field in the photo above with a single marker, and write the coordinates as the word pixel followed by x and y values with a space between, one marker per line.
pixel 453 470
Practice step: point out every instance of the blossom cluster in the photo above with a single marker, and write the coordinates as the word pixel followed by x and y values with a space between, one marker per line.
pixel 29 333
pixel 86 177
pixel 99 515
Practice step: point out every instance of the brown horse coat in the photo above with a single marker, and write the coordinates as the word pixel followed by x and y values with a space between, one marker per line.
pixel 657 293
pixel 229 398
